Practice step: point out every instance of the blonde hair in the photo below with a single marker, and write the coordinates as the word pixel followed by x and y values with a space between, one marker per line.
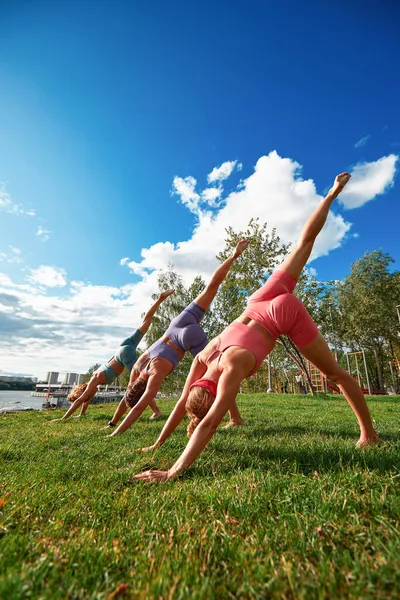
pixel 197 405
pixel 76 392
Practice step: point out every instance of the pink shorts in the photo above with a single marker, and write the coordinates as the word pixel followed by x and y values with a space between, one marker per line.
pixel 276 309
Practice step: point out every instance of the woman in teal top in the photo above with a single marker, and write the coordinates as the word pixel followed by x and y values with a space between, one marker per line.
pixel 124 358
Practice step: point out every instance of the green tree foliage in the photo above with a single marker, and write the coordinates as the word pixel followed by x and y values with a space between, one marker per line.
pixel 367 300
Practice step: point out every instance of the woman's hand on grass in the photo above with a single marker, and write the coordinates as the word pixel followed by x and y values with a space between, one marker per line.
pixel 153 476
pixel 54 420
pixel 149 448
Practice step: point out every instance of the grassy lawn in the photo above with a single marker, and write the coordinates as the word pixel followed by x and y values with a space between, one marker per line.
pixel 282 508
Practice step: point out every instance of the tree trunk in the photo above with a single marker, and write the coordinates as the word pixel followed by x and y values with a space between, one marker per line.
pixel 297 358
pixel 378 369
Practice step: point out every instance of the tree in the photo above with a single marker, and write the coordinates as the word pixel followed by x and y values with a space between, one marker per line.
pixel 367 300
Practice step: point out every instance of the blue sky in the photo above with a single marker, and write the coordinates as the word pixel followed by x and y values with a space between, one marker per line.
pixel 106 107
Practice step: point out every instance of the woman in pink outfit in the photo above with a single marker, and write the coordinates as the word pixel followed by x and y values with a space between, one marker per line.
pixel 217 372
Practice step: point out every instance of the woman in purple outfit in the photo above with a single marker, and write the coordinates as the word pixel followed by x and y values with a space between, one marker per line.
pixel 183 334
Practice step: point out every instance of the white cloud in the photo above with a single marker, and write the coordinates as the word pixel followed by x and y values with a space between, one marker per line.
pixel 210 195
pixel 41 330
pixel 43 233
pixel 369 180
pixel 222 172
pixel 7 205
pixel 185 189
pixel 274 193
pixel 123 261
pixel 362 142
pixel 48 276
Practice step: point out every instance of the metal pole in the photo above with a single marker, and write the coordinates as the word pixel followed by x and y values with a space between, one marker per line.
pixel 393 378
pixel 366 373
pixel 270 388
pixel 358 372
pixel 333 330
pixel 348 363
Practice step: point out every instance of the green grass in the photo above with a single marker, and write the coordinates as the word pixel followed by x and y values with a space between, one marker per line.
pixel 283 508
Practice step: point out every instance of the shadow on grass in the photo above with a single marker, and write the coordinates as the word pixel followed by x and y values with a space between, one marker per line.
pixel 311 431
pixel 306 461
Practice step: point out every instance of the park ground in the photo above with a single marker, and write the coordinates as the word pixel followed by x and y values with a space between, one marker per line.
pixel 284 507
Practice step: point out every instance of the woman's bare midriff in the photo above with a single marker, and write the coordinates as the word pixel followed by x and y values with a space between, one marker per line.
pixel 116 366
pixel 251 323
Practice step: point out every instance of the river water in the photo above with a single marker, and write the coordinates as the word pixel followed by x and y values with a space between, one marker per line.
pixel 16 400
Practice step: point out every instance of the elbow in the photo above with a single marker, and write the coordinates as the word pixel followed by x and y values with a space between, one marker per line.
pixel 209 427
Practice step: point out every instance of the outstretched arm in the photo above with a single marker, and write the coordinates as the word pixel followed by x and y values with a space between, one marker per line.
pixel 153 386
pixel 207 296
pixel 228 388
pixel 85 397
pixel 300 254
pixel 148 317
pixel 197 370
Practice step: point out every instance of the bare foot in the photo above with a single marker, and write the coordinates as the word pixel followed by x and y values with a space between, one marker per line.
pixel 363 442
pixel 155 416
pixel 234 424
pixel 340 182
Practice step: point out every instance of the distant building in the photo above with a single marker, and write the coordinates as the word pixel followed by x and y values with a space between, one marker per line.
pixel 72 379
pixel 52 377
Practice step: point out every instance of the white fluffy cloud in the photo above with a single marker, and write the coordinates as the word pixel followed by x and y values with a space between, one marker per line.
pixel 48 276
pixel 222 172
pixel 185 189
pixel 211 195
pixel 275 193
pixel 369 180
pixel 42 330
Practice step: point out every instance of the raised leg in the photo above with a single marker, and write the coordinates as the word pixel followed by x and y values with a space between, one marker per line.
pixel 298 257
pixel 207 296
pixel 319 354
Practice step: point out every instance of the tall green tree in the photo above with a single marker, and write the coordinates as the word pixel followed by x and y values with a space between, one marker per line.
pixel 367 300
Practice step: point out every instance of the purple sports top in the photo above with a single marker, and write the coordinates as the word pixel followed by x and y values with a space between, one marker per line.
pixel 185 332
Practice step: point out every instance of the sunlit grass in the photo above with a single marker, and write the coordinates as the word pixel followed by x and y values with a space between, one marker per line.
pixel 285 507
